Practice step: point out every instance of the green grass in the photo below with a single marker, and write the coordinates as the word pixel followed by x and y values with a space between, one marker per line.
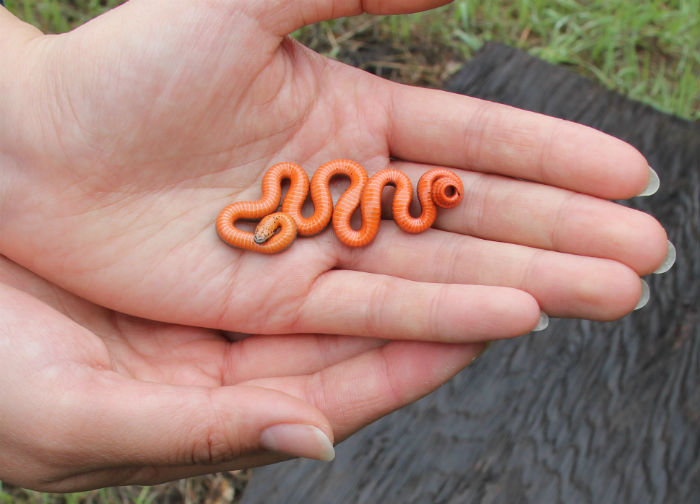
pixel 649 51
pixel 58 16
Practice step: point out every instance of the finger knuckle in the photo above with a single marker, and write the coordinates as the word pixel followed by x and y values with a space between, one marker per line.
pixel 214 445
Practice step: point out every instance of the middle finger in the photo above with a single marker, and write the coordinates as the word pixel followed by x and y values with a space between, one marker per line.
pixel 550 218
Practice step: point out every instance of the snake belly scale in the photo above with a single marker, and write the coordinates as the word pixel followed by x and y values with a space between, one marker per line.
pixel 276 231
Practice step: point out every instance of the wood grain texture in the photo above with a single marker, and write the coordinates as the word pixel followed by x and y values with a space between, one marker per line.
pixel 584 412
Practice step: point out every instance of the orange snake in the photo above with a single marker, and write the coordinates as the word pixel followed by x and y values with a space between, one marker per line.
pixel 276 231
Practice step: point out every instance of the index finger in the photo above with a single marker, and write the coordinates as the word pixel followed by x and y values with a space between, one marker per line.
pixel 438 127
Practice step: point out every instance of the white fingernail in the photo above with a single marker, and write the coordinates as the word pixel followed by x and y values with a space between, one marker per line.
pixel 669 261
pixel 543 322
pixel 298 440
pixel 653 184
pixel 644 299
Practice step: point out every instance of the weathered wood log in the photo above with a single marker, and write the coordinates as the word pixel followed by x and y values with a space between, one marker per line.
pixel 584 412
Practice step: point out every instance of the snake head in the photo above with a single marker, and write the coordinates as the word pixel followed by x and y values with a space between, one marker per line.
pixel 266 229
pixel 277 223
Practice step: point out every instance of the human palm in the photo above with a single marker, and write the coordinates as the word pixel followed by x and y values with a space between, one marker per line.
pixel 171 150
pixel 137 128
pixel 137 401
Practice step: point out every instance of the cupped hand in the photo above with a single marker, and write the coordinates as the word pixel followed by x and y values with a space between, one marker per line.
pixel 133 131
pixel 93 398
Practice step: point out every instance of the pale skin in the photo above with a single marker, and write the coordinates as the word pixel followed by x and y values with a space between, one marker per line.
pixel 122 311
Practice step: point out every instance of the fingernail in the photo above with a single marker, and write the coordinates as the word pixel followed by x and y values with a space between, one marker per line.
pixel 543 322
pixel 669 261
pixel 298 440
pixel 653 184
pixel 644 299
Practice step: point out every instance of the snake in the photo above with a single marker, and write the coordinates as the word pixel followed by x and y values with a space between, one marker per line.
pixel 277 230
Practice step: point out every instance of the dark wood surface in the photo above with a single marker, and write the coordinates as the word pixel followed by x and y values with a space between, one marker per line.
pixel 584 412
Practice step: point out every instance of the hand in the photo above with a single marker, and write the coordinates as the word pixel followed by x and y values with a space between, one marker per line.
pixel 137 128
pixel 94 398
pixel 132 132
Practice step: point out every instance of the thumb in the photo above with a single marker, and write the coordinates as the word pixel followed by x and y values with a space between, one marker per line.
pixel 14 30
pixel 176 425
pixel 119 431
pixel 289 15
